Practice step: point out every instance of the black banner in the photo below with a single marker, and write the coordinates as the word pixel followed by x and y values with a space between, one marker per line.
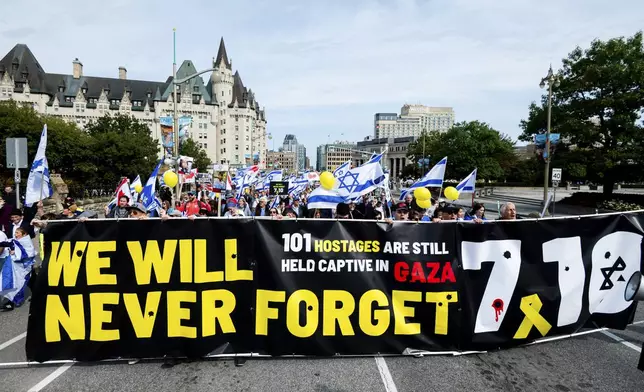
pixel 318 287
pixel 278 188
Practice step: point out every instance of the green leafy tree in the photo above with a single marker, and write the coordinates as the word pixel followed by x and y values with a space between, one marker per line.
pixel 467 145
pixel 190 148
pixel 597 110
pixel 121 146
pixel 67 145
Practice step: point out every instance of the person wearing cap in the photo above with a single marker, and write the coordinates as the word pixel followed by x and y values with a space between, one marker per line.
pixel 401 211
pixel 70 204
pixel 137 211
pixel 232 207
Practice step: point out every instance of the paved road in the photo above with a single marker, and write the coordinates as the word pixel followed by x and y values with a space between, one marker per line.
pixel 592 362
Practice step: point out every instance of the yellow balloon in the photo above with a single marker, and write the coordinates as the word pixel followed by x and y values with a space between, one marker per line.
pixel 422 194
pixel 170 178
pixel 138 188
pixel 327 180
pixel 451 193
pixel 424 203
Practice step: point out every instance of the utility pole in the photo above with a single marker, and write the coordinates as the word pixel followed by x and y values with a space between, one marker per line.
pixel 553 81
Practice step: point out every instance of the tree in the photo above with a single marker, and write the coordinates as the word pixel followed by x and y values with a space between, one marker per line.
pixel 191 149
pixel 67 145
pixel 468 145
pixel 596 109
pixel 121 146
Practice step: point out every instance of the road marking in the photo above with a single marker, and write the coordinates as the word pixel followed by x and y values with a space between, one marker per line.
pixel 12 341
pixel 390 386
pixel 47 380
pixel 622 341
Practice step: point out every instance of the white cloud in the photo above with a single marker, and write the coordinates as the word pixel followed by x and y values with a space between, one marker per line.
pixel 353 58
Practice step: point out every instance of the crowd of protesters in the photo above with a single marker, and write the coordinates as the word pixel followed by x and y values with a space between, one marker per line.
pixel 20 228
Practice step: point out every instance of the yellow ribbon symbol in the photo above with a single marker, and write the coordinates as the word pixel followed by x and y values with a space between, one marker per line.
pixel 530 306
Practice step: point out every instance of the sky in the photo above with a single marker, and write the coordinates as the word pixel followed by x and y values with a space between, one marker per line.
pixel 322 69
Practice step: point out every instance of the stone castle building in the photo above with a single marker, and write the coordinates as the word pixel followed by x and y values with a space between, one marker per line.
pixel 227 121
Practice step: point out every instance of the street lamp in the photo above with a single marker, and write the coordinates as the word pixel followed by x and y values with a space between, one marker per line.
pixel 551 80
pixel 175 84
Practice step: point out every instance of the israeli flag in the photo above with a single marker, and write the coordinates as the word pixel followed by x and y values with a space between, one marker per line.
pixel 147 197
pixel 295 187
pixel 468 185
pixel 342 169
pixel 135 195
pixel 38 183
pixel 433 178
pixel 275 175
pixel 353 184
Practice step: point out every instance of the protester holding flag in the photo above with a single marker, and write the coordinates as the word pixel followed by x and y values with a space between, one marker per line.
pixel 16 269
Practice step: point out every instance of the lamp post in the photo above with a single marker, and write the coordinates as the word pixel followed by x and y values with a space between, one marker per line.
pixel 553 81
pixel 175 87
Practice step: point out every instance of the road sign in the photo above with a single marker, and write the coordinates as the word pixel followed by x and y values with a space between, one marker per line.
pixel 17 153
pixel 556 175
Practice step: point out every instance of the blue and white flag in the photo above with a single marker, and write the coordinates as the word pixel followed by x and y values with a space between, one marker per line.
pixel 353 184
pixel 38 183
pixel 295 187
pixel 148 198
pixel 468 185
pixel 133 192
pixel 275 175
pixel 433 178
pixel 249 175
pixel 342 169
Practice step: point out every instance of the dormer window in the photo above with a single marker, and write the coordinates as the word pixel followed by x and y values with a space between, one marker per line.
pixel 61 89
pixel 195 89
pixel 84 90
pixel 149 94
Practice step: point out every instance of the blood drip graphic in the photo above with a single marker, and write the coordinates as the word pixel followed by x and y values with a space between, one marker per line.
pixel 497 304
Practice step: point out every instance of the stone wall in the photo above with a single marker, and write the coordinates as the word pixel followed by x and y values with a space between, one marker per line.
pixel 97 204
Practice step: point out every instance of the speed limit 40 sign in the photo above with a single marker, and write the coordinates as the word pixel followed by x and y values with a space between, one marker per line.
pixel 556 175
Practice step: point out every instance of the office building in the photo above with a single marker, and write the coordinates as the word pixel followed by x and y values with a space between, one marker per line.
pixel 396 152
pixel 284 160
pixel 412 121
pixel 332 155
pixel 290 144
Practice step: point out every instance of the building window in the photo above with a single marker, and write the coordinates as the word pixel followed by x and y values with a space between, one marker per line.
pixel 236 137
pixel 205 145
pixel 237 147
pixel 200 126
pixel 222 93
pixel 61 89
pixel 195 89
